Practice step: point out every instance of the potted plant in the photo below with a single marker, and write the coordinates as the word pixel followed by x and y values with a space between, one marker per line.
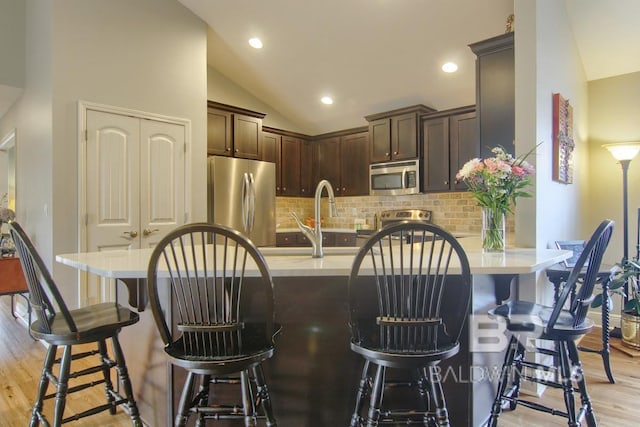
pixel 628 272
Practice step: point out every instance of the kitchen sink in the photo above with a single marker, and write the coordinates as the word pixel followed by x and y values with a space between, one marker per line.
pixel 306 250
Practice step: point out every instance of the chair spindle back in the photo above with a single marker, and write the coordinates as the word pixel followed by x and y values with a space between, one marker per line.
pixel 42 287
pixel 206 282
pixel 421 290
pixel 579 291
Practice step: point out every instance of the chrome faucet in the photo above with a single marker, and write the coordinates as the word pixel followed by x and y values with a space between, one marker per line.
pixel 315 234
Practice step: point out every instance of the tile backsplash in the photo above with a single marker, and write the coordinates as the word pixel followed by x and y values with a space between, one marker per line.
pixel 455 211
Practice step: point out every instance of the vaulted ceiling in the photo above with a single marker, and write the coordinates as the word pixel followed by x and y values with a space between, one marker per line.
pixel 377 55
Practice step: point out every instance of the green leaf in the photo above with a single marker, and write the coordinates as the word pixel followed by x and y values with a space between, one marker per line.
pixel 597 301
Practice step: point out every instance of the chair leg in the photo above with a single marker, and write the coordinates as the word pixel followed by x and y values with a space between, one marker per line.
pixel 263 396
pixel 375 401
pixel 437 396
pixel 567 384
pixel 582 384
pixel 182 416
pixel 203 398
pixel 505 375
pixel 106 372
pixel 364 388
pixel 63 386
pixel 123 375
pixel 425 395
pixel 43 385
pixel 248 407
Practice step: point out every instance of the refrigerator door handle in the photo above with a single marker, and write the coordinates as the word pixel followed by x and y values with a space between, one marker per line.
pixel 246 184
pixel 252 202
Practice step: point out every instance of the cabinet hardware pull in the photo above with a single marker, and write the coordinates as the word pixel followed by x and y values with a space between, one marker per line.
pixel 133 233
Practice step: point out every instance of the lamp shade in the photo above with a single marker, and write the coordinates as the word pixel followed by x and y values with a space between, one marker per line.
pixel 623 150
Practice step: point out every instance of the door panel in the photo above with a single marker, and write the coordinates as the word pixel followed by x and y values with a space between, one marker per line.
pixel 112 183
pixel 161 180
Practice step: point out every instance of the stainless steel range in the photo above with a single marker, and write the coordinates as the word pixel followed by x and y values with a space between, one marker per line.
pixel 397 215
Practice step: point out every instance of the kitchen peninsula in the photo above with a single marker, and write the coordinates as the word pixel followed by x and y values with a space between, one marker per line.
pixel 313 375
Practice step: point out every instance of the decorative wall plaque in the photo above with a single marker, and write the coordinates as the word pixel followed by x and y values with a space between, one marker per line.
pixel 563 145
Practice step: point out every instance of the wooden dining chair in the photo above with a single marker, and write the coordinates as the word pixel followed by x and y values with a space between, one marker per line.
pixel 408 304
pixel 561 324
pixel 211 294
pixel 58 326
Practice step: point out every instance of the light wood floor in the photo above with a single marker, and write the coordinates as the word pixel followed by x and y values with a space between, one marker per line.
pixel 616 405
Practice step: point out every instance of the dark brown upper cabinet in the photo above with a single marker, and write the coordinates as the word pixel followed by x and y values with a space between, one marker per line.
pixel 394 135
pixel 307 184
pixel 292 154
pixel 342 158
pixel 495 93
pixel 270 147
pixel 449 140
pixel 233 131
pixel 289 166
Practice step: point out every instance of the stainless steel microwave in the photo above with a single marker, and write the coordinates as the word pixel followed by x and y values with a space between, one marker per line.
pixel 394 178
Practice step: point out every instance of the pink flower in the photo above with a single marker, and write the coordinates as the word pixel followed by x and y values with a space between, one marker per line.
pixel 518 171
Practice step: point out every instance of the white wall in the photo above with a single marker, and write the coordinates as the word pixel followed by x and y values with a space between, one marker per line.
pixel 614 110
pixel 222 89
pixel 12 40
pixel 550 65
pixel 147 55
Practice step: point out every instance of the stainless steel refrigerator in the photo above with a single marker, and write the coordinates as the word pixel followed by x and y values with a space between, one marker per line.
pixel 242 195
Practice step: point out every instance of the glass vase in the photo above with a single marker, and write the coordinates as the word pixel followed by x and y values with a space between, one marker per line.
pixel 493 230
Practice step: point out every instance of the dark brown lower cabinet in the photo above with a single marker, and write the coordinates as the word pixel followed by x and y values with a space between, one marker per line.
pixel 313 375
pixel 329 239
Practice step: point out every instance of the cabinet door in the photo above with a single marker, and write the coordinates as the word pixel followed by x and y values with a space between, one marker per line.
pixel 328 162
pixel 290 166
pixel 345 239
pixel 354 151
pixel 435 139
pixel 495 94
pixel 380 135
pixel 464 144
pixel 269 147
pixel 247 136
pixel 307 184
pixel 219 132
pixel 287 239
pixel 404 137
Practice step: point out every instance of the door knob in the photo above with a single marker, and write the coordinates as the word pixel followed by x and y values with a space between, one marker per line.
pixel 133 233
pixel 148 231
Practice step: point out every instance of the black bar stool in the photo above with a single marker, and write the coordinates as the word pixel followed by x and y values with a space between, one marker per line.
pixel 561 325
pixel 66 328
pixel 408 303
pixel 216 322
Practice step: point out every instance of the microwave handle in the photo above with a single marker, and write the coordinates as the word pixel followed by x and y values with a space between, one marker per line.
pixel 404 178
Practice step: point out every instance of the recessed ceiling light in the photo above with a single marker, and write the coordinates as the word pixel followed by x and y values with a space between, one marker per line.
pixel 326 100
pixel 255 42
pixel 450 67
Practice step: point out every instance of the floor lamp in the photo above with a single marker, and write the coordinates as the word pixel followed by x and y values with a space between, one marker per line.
pixel 624 152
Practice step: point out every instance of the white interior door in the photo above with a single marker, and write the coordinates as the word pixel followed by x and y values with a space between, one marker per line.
pixel 134 187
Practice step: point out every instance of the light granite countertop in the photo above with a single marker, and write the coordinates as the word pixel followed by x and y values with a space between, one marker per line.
pixel 297 262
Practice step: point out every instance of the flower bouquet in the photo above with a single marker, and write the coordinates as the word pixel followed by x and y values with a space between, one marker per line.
pixel 496 182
